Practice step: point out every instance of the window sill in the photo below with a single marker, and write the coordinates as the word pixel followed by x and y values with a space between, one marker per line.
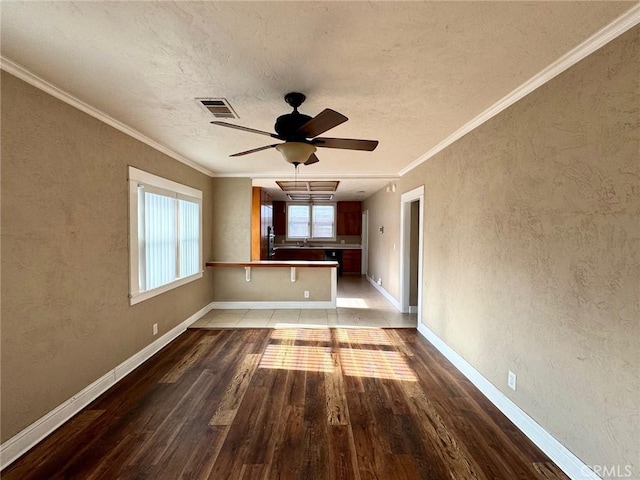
pixel 142 296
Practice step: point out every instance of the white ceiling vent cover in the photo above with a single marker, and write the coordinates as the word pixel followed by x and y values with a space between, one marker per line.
pixel 219 107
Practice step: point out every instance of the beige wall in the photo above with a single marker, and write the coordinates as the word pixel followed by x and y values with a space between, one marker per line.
pixel 231 220
pixel 384 247
pixel 66 319
pixel 271 285
pixel 531 257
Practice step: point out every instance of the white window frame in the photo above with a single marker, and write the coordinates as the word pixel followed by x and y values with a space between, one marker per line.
pixel 158 184
pixel 310 207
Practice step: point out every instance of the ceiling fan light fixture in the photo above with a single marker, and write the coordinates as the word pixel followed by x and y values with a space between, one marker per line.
pixel 296 153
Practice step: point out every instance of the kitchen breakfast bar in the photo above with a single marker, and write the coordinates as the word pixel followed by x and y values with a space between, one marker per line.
pixel 275 284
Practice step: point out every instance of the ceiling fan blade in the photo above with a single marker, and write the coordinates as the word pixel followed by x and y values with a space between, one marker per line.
pixel 246 129
pixel 325 120
pixel 254 150
pixel 346 143
pixel 312 159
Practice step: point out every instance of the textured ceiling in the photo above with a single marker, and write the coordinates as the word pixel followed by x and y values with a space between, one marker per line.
pixel 408 74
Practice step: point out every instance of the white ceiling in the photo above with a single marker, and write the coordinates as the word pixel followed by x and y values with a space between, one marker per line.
pixel 408 74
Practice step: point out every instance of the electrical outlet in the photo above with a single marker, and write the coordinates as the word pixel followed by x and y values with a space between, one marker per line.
pixel 511 380
pixel 379 282
pixel 306 294
pixel 155 328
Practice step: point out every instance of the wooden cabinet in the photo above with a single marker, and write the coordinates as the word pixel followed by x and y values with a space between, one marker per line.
pixel 280 218
pixel 351 261
pixel 299 254
pixel 349 218
pixel 261 220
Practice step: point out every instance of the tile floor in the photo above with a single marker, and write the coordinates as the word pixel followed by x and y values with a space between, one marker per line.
pixel 359 304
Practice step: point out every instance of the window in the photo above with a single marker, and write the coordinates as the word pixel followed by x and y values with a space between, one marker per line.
pixel 311 221
pixel 165 233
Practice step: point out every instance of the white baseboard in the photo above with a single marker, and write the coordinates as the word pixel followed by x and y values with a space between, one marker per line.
pixel 384 293
pixel 561 456
pixel 23 441
pixel 273 305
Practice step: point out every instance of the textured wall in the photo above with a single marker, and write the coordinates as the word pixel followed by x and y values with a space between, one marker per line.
pixel 384 247
pixel 66 319
pixel 231 220
pixel 532 241
pixel 271 285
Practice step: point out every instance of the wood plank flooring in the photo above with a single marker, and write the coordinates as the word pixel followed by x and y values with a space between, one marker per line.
pixel 295 403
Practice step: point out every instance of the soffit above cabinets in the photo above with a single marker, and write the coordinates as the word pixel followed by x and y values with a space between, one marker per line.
pixel 313 197
pixel 308 186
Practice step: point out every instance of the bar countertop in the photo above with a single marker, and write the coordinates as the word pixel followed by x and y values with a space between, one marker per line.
pixel 274 263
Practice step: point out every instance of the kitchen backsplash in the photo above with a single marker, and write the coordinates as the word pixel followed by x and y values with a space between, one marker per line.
pixel 348 239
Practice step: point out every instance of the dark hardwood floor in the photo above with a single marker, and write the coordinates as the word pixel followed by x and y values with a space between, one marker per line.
pixel 342 403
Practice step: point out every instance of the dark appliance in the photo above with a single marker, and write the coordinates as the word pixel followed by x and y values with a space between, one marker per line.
pixel 271 238
pixel 336 256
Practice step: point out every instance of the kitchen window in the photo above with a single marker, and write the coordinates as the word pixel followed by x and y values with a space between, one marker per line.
pixel 313 222
pixel 165 234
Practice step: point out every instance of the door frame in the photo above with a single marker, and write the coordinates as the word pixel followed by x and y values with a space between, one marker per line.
pixel 364 266
pixel 406 199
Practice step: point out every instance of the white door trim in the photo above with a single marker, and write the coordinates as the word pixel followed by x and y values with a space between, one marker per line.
pixel 417 194
pixel 364 266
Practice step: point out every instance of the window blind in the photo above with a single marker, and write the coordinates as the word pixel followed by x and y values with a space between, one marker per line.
pixel 165 234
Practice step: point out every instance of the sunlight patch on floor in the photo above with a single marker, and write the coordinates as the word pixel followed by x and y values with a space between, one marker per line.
pixel 315 326
pixel 364 336
pixel 375 364
pixel 351 302
pixel 312 333
pixel 293 357
pixel 358 362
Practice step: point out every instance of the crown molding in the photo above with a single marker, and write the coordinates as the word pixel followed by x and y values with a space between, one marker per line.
pixel 32 79
pixel 624 22
pixel 313 176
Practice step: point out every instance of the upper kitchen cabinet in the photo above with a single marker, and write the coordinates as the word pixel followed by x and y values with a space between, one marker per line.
pixel 280 218
pixel 261 221
pixel 349 218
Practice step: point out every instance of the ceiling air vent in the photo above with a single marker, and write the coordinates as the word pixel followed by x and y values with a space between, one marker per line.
pixel 219 107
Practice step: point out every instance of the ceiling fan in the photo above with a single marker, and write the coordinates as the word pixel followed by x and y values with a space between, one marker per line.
pixel 300 133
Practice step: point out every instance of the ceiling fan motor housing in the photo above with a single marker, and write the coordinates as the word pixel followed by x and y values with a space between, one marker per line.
pixel 287 126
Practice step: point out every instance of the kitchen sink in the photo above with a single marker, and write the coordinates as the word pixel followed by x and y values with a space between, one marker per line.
pixel 335 246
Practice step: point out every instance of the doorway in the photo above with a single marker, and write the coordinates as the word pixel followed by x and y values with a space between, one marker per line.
pixel 364 267
pixel 411 248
